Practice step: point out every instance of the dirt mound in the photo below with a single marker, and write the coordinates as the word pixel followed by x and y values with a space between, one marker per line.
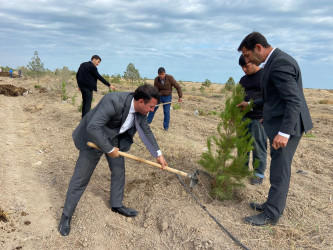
pixel 10 90
pixel 3 215
pixel 6 74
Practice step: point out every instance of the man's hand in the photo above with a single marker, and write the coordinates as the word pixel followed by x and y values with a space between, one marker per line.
pixel 242 105
pixel 112 87
pixel 160 159
pixel 114 153
pixel 180 99
pixel 279 142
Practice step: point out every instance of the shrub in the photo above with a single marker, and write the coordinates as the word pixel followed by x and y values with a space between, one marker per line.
pixel 73 99
pixel 230 84
pixel 206 84
pixel 309 136
pixel 64 95
pixel 176 106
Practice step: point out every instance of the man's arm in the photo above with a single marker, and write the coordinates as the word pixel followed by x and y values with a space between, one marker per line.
pixel 102 116
pixel 178 88
pixel 98 76
pixel 149 134
pixel 156 83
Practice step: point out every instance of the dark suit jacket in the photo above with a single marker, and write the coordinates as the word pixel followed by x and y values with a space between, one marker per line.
pixel 285 108
pixel 102 124
pixel 87 76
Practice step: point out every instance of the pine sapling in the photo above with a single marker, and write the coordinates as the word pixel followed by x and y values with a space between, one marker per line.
pixel 226 156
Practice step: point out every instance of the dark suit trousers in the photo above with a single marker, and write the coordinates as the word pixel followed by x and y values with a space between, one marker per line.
pixel 84 168
pixel 87 96
pixel 280 173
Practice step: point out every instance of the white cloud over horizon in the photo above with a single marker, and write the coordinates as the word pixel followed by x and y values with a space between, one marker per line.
pixel 192 39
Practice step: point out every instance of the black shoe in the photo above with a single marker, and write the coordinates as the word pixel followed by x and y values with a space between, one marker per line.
pixel 260 220
pixel 64 225
pixel 258 207
pixel 256 180
pixel 126 211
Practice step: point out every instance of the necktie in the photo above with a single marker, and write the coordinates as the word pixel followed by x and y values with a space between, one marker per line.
pixel 144 138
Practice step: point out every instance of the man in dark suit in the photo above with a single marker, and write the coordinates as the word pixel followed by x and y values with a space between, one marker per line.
pixel 285 116
pixel 110 125
pixel 86 77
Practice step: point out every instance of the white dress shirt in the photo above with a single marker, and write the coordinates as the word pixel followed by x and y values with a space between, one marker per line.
pixel 129 122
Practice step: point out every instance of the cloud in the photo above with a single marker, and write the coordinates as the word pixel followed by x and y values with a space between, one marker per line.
pixel 195 33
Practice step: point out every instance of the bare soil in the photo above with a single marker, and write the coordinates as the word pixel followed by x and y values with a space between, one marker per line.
pixel 38 156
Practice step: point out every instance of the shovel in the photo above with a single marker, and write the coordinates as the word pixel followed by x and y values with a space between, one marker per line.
pixel 193 177
pixel 165 103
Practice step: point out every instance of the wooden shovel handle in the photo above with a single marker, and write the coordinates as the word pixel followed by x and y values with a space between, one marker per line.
pixel 133 157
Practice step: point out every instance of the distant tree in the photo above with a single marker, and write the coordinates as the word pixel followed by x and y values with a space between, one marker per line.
pixel 106 77
pixel 131 73
pixel 65 74
pixel 6 69
pixel 36 67
pixel 230 84
pixel 206 84
pixel 115 78
pixel 227 151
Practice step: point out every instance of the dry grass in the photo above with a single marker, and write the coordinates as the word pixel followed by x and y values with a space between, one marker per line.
pixel 167 213
pixel 326 101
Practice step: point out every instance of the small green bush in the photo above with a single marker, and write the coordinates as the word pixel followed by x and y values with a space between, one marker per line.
pixel 64 95
pixel 73 99
pixel 309 136
pixel 176 106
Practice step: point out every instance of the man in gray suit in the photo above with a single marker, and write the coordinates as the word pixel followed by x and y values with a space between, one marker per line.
pixel 285 118
pixel 110 125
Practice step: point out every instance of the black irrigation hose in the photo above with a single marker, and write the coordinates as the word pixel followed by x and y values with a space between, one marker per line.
pixel 204 208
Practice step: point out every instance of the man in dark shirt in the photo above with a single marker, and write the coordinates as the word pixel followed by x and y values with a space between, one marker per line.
pixel 164 83
pixel 86 77
pixel 251 84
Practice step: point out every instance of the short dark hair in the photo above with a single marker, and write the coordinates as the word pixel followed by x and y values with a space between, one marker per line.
pixel 161 70
pixel 241 61
pixel 250 41
pixel 146 92
pixel 96 57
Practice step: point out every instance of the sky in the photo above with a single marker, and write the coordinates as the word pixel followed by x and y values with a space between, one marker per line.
pixel 193 40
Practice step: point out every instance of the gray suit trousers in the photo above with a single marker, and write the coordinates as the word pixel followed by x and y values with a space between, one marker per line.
pixel 83 171
pixel 280 172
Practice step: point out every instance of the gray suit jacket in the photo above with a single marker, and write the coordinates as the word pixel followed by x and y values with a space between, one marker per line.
pixel 102 124
pixel 285 108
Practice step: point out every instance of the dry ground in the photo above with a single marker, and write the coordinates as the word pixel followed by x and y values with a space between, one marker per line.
pixel 37 159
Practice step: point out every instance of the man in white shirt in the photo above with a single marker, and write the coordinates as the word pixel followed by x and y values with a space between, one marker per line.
pixel 111 125
pixel 285 117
